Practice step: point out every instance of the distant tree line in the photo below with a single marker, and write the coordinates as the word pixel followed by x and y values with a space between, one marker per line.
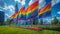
pixel 54 21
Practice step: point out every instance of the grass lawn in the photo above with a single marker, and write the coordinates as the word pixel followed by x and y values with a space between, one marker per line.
pixel 13 30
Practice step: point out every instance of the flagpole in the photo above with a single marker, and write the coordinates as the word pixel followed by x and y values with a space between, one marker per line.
pixel 16 10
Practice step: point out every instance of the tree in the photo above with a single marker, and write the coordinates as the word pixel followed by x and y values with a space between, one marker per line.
pixel 35 21
pixel 9 21
pixel 41 21
pixel 55 21
pixel 2 23
pixel 59 23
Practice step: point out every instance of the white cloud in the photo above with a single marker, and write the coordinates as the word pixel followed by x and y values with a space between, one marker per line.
pixel 22 2
pixel 31 1
pixel 55 2
pixel 58 12
pixel 5 6
pixel 7 15
pixel 10 7
pixel 52 18
pixel 17 1
pixel 41 3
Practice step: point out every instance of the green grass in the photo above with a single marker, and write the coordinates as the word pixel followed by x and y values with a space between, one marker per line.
pixel 50 28
pixel 13 30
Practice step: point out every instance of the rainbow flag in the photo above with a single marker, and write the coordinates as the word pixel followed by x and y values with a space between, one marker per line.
pixel 32 10
pixel 21 13
pixel 45 11
pixel 14 15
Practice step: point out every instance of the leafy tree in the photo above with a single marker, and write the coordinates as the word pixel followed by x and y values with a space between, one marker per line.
pixel 2 23
pixel 9 21
pixel 59 22
pixel 41 21
pixel 35 21
pixel 55 21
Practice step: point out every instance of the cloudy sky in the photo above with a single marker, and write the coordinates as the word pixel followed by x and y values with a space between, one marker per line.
pixel 8 6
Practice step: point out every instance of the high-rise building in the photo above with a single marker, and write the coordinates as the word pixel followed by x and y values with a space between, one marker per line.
pixel 2 15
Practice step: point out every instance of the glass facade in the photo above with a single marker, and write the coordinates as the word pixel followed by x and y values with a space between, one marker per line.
pixel 2 16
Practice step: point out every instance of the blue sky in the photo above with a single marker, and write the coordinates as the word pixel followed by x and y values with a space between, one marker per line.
pixel 8 6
